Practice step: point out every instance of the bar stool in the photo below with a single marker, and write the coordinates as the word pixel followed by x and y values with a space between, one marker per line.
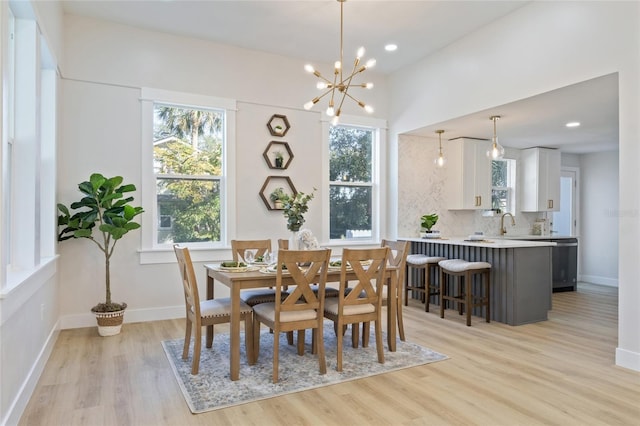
pixel 426 265
pixel 465 297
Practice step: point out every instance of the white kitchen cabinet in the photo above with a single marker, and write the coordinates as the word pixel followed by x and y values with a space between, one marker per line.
pixel 468 184
pixel 540 180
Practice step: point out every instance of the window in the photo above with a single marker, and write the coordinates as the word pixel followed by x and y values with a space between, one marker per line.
pixel 185 176
pixel 352 182
pixel 502 186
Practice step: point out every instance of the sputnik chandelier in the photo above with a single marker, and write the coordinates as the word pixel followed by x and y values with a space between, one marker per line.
pixel 339 87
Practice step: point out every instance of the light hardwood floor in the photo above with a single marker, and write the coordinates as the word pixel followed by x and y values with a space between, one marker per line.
pixel 557 372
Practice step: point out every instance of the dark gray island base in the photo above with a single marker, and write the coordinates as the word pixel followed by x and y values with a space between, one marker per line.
pixel 521 274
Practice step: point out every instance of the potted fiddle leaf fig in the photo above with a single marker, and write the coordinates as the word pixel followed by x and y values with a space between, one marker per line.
pixel 427 222
pixel 103 215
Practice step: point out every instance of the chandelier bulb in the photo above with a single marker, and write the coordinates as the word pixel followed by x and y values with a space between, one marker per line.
pixel 330 111
pixel 322 85
pixel 308 105
pixel 360 52
pixel 337 65
pixel 370 63
pixel 308 68
pixel 368 108
pixel 368 85
pixel 335 120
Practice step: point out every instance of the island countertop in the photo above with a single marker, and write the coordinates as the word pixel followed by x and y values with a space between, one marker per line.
pixel 488 242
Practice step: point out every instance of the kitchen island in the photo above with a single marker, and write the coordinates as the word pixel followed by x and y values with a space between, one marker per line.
pixel 521 273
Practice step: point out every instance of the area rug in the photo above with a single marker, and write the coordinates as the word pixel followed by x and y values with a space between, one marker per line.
pixel 211 389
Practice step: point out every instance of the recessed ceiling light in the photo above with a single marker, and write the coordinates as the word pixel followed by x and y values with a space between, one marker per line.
pixel 391 47
pixel 573 124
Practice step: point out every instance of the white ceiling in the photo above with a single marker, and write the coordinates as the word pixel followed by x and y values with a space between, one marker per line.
pixel 310 29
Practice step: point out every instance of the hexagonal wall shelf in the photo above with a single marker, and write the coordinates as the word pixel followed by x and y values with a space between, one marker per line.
pixel 270 157
pixel 273 182
pixel 278 125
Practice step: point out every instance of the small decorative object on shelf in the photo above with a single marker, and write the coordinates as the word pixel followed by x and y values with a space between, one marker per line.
pixel 278 155
pixel 277 196
pixel 279 159
pixel 278 125
pixel 271 189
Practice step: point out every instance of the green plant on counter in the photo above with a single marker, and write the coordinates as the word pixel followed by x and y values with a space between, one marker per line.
pixel 428 221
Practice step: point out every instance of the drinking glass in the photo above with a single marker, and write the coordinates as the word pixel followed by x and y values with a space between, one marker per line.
pixel 267 257
pixel 249 256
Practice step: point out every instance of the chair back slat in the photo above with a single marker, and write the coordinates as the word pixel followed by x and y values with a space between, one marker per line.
pixel 239 246
pixel 305 268
pixel 369 266
pixel 398 251
pixel 189 282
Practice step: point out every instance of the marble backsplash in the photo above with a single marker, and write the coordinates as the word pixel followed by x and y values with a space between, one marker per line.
pixel 422 191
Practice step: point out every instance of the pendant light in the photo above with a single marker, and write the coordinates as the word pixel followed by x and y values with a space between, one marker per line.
pixel 338 87
pixel 497 151
pixel 440 160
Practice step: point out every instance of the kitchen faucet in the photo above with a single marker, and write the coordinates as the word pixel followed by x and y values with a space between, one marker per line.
pixel 503 230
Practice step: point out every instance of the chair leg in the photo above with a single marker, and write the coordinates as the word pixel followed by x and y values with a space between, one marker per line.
pixel 366 329
pixel 355 334
pixel 314 341
pixel 248 338
pixel 276 353
pixel 488 294
pixel 406 283
pixel 339 349
pixel 300 342
pixel 399 313
pixel 256 338
pixel 378 330
pixel 318 347
pixel 468 299
pixel 290 337
pixel 197 347
pixel 187 340
pixel 441 293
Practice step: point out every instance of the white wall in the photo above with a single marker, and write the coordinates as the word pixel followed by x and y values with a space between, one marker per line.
pixel 105 67
pixel 599 216
pixel 540 47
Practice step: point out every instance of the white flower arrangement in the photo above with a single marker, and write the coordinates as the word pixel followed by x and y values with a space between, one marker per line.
pixel 307 240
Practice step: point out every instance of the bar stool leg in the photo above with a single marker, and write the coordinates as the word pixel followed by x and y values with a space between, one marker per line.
pixel 468 296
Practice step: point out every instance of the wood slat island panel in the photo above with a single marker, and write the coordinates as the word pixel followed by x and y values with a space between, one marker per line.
pixel 521 273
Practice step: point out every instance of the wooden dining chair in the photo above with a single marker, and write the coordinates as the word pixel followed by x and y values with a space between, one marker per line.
pixel 363 303
pixel 259 295
pixel 398 251
pixel 207 312
pixel 301 309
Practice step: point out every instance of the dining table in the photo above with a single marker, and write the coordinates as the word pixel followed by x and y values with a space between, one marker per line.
pixel 258 278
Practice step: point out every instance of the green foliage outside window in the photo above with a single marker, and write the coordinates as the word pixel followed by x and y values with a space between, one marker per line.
pixel 350 174
pixel 188 166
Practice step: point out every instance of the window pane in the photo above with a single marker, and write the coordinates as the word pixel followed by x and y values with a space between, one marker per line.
pixel 499 173
pixel 350 158
pixel 500 200
pixel 187 141
pixel 188 210
pixel 350 210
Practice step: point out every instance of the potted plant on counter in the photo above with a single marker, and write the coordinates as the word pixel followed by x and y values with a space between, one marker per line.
pixel 427 222
pixel 103 215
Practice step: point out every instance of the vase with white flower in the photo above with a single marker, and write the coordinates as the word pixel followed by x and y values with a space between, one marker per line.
pixel 294 207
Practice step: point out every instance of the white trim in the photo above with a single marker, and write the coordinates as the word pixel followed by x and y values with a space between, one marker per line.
pixel 595 279
pixel 627 359
pixel 151 252
pixel 198 254
pixel 130 315
pixel 16 409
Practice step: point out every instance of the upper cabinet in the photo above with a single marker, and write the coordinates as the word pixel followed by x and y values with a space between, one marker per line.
pixel 540 180
pixel 468 184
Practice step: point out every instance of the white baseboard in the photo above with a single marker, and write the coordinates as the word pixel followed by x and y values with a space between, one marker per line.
pixel 627 359
pixel 131 315
pixel 595 279
pixel 18 405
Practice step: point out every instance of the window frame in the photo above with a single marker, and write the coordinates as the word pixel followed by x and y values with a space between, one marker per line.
pixel 511 185
pixel 152 251
pixel 378 187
